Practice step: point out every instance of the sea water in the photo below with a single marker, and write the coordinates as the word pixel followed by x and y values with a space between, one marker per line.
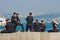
pixel 48 27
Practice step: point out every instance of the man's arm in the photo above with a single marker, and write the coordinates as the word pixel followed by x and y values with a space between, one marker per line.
pixel 56 26
pixel 26 18
pixel 32 18
pixel 6 26
pixel 18 20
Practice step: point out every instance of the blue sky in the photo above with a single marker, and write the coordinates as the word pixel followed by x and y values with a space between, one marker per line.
pixel 26 6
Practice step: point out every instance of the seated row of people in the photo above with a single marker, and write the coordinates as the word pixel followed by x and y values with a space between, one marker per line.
pixel 34 27
pixel 39 27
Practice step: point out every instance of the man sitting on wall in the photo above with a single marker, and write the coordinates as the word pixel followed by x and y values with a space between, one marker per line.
pixel 9 27
pixel 55 27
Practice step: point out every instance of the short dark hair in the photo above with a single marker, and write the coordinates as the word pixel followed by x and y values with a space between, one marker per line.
pixel 7 19
pixel 37 20
pixel 17 14
pixel 30 13
pixel 42 20
pixel 14 12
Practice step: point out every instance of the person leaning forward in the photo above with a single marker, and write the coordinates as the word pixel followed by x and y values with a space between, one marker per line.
pixel 18 22
pixel 9 27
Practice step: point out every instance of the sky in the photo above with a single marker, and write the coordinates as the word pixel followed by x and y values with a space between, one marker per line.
pixel 37 7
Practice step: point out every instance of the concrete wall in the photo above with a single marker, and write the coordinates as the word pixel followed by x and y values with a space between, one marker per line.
pixel 30 36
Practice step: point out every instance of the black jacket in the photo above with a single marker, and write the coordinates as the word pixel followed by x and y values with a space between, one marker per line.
pixel 55 26
pixel 36 27
pixel 29 20
pixel 11 27
pixel 18 19
pixel 39 27
pixel 13 19
pixel 42 27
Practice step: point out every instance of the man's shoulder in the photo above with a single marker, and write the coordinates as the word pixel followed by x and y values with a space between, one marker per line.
pixel 13 16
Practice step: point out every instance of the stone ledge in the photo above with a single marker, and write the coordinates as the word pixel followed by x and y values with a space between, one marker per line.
pixel 30 36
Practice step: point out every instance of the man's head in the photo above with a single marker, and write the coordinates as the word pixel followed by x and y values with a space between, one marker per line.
pixel 37 21
pixel 7 20
pixel 17 14
pixel 14 13
pixel 30 14
pixel 53 22
pixel 42 21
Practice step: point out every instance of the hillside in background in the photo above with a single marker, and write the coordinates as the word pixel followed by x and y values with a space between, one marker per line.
pixel 47 16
